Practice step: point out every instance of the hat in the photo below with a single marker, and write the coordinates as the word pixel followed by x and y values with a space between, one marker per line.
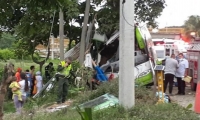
pixel 38 73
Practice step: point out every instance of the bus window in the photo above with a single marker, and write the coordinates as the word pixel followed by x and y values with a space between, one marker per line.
pixel 167 52
pixel 173 51
pixel 160 53
pixel 158 43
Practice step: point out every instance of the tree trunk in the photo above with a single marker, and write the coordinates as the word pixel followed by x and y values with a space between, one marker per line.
pixel 41 63
pixel 7 76
pixel 70 42
pixel 84 31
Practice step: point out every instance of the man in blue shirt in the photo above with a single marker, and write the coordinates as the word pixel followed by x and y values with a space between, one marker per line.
pixel 28 75
pixel 181 72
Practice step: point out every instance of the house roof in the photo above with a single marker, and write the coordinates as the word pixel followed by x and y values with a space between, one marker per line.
pixel 195 46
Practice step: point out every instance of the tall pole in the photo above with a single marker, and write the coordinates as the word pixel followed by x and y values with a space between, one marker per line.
pixel 61 33
pixel 126 55
pixel 84 32
pixel 52 47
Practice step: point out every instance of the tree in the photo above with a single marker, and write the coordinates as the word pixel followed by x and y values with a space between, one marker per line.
pixel 35 23
pixel 6 40
pixel 145 11
pixel 192 25
pixel 6 79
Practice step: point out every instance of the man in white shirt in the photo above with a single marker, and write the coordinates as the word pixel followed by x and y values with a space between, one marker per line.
pixel 171 65
pixel 181 72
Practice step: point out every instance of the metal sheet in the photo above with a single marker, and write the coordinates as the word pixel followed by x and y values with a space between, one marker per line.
pixel 101 102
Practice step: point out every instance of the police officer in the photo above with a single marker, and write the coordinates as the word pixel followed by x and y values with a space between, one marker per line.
pixel 64 69
pixel 48 70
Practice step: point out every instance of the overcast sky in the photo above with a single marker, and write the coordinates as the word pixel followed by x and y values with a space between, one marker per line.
pixel 177 11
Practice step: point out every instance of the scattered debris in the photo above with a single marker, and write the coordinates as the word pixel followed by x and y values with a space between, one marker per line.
pixel 57 107
pixel 104 101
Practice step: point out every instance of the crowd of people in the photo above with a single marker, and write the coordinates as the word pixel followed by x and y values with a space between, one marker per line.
pixel 176 67
pixel 26 83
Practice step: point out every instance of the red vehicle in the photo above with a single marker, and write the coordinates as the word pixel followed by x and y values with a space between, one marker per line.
pixel 193 56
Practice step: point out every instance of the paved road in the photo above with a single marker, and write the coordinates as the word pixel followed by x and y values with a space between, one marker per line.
pixel 184 100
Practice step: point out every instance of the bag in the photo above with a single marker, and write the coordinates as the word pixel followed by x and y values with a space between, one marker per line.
pixel 187 79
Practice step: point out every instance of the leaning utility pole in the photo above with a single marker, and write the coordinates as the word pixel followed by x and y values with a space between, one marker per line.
pixel 84 32
pixel 126 54
pixel 61 33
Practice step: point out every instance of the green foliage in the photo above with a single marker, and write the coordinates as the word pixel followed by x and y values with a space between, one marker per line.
pixel 86 114
pixel 9 107
pixel 189 106
pixel 147 112
pixel 142 110
pixel 20 49
pixel 142 94
pixel 6 40
pixel 31 25
pixel 145 10
pixel 6 54
pixel 192 24
pixel 149 10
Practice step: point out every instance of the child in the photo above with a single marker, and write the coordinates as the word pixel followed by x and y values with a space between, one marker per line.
pixel 15 89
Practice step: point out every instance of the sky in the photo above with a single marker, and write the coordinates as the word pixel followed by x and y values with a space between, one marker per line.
pixel 177 11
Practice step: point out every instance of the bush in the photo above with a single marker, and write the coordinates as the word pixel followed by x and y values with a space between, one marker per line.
pixel 6 54
pixel 144 109
pixel 142 94
pixel 147 112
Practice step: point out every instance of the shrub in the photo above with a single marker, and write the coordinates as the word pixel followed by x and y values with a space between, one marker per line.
pixel 147 112
pixel 142 94
pixel 6 54
pixel 144 109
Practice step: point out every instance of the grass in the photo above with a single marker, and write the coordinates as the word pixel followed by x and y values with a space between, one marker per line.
pixel 145 108
pixel 8 107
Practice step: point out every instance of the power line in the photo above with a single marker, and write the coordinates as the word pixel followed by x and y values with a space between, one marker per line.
pixel 123 14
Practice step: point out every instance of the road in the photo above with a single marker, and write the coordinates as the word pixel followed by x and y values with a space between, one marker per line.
pixel 184 100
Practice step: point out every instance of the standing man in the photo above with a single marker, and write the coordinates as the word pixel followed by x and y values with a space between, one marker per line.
pixel 32 74
pixel 181 72
pixel 64 69
pixel 171 65
pixel 48 71
pixel 28 76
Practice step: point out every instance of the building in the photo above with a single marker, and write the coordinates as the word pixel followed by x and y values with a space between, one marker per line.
pixel 54 48
pixel 168 33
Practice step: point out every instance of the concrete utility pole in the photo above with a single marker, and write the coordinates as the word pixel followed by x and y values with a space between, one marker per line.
pixel 126 55
pixel 52 47
pixel 84 32
pixel 61 33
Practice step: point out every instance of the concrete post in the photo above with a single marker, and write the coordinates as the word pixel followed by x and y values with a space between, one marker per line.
pixel 126 55
pixel 61 33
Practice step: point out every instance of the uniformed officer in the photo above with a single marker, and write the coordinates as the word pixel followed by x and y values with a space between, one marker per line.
pixel 64 69
pixel 48 70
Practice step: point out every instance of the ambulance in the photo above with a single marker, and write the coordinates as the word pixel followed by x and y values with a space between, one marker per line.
pixel 165 47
